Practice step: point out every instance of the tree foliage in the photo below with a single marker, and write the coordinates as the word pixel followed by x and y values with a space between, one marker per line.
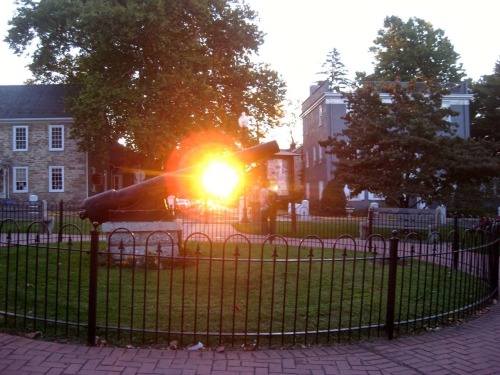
pixel 150 72
pixel 413 49
pixel 485 126
pixel 335 71
pixel 405 148
pixel 485 107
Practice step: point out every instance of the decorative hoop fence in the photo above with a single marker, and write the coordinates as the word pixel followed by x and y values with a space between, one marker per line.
pixel 239 292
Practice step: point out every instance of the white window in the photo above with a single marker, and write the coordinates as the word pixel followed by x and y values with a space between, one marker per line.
pixel 314 155
pixel 56 137
pixel 20 180
pixel 320 116
pixel 20 138
pixel 320 152
pixel 56 179
pixel 321 187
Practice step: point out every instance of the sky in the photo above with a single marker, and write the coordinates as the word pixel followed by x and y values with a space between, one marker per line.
pixel 299 35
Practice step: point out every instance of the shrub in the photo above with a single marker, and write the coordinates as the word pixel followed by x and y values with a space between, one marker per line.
pixel 333 200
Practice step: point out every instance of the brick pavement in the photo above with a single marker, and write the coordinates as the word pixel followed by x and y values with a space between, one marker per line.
pixel 471 348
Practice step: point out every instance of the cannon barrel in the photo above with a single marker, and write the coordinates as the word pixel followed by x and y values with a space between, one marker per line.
pixel 149 196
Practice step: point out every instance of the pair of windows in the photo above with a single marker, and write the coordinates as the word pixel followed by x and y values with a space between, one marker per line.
pixel 20 179
pixel 317 156
pixel 56 138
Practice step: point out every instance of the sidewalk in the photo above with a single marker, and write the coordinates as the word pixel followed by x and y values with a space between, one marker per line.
pixel 471 348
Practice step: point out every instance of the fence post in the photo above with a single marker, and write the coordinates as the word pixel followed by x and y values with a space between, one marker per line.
pixel 493 259
pixel 61 219
pixel 370 227
pixel 456 243
pixel 92 314
pixel 391 288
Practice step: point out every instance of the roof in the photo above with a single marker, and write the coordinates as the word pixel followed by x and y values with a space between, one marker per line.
pixel 32 102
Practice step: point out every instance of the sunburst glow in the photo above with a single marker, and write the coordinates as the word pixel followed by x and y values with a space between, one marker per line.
pixel 220 179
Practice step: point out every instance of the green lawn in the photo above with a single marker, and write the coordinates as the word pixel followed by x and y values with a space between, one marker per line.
pixel 323 228
pixel 220 291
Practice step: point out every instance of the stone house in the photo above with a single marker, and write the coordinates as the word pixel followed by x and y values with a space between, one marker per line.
pixel 38 156
pixel 322 114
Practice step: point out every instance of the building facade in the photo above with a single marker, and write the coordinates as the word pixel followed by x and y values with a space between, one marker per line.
pixel 37 157
pixel 322 114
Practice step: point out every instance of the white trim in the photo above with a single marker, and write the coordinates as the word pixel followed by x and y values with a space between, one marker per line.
pixel 457 99
pixel 27 119
pixel 328 98
pixel 335 101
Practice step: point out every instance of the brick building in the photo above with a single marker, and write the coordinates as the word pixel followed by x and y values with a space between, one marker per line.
pixel 322 114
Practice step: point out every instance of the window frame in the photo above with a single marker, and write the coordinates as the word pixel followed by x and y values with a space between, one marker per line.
pixel 51 137
pixel 15 147
pixel 15 179
pixel 52 170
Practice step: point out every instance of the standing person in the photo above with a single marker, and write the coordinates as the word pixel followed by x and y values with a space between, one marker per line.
pixel 264 207
pixel 272 202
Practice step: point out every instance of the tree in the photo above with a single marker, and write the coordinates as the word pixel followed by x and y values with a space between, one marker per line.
pixel 333 199
pixel 406 150
pixel 150 72
pixel 413 49
pixel 335 71
pixel 485 126
pixel 485 107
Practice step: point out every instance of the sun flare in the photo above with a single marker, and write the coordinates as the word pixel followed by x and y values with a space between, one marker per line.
pixel 220 179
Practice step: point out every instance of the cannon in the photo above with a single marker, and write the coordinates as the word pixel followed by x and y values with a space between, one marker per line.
pixel 146 201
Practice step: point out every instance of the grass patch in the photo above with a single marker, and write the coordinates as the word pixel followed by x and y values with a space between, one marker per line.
pixel 325 228
pixel 72 222
pixel 210 293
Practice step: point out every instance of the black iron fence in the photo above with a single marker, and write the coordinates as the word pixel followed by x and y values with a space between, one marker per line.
pixel 232 286
pixel 219 221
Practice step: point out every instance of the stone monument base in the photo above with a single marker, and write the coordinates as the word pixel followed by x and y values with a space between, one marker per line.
pixel 126 238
